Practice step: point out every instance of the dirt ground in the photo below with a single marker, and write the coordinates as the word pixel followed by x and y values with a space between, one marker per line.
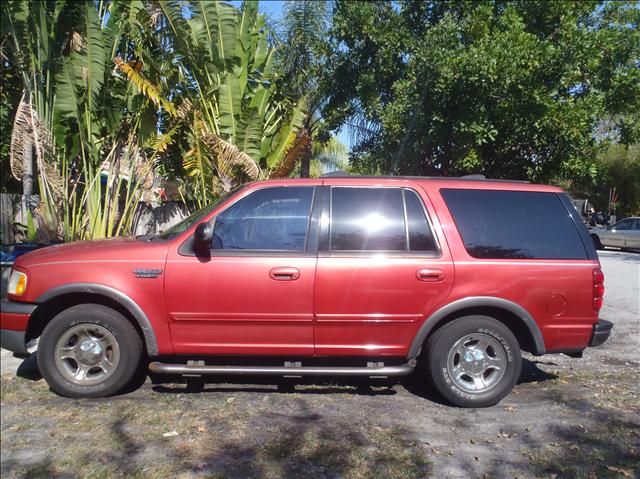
pixel 566 418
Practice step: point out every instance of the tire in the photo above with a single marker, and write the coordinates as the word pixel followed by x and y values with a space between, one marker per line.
pixel 492 366
pixel 596 242
pixel 89 350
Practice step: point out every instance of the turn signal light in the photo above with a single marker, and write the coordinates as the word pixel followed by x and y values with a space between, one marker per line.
pixel 17 283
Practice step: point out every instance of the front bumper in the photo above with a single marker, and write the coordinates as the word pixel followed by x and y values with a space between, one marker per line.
pixel 14 317
pixel 601 332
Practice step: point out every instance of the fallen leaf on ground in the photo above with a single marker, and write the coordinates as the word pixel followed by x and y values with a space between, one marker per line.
pixel 624 472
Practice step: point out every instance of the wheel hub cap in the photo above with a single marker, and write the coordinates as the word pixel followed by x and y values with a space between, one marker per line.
pixel 87 354
pixel 476 363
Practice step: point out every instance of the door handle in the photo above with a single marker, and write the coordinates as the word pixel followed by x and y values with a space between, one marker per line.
pixel 430 275
pixel 284 274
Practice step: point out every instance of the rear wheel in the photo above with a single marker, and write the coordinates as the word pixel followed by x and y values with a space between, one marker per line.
pixel 89 350
pixel 473 361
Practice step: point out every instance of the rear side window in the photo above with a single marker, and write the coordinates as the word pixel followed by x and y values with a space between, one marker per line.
pixel 366 219
pixel 420 235
pixel 514 224
pixel 379 219
pixel 270 219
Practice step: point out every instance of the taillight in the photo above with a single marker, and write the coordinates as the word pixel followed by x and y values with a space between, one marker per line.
pixel 598 288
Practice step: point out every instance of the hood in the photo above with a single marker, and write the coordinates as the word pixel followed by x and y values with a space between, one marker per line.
pixel 100 250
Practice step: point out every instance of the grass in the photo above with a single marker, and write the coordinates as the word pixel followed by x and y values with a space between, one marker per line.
pixel 606 441
pixel 219 435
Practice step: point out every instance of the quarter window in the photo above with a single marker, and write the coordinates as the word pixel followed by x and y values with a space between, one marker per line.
pixel 270 219
pixel 514 224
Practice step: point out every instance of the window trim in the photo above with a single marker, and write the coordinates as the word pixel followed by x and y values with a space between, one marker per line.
pixel 325 250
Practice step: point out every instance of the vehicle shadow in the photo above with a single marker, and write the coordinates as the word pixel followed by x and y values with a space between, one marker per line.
pixel 531 373
pixel 28 368
pixel 307 386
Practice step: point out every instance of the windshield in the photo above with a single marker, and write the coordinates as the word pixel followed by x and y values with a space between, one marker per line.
pixel 186 223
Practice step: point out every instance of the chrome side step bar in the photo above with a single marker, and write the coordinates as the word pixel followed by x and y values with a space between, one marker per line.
pixel 197 368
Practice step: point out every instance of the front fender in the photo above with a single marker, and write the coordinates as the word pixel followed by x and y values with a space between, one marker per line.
pixel 118 296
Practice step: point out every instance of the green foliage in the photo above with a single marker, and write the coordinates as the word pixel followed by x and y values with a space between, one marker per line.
pixel 509 89
pixel 618 167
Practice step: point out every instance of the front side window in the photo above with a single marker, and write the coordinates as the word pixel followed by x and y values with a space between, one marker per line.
pixel 623 225
pixel 514 224
pixel 270 219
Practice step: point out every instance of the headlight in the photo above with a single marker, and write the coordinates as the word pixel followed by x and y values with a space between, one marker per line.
pixel 17 283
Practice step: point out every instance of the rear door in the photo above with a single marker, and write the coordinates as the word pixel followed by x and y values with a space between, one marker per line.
pixel 381 269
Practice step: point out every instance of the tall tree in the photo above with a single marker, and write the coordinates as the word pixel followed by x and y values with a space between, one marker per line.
pixel 301 58
pixel 510 89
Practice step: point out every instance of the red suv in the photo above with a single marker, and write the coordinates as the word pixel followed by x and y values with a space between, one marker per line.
pixel 450 278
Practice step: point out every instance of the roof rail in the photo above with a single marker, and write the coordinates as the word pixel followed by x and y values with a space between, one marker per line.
pixel 472 177
pixel 476 177
pixel 338 173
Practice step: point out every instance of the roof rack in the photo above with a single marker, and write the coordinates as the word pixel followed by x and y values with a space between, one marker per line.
pixel 475 177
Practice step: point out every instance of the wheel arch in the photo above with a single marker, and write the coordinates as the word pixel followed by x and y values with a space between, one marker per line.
pixel 512 315
pixel 62 297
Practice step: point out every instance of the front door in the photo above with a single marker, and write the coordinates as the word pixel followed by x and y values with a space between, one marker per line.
pixel 254 293
pixel 381 269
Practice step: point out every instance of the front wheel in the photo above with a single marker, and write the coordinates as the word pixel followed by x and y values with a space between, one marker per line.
pixel 473 361
pixel 89 350
pixel 596 241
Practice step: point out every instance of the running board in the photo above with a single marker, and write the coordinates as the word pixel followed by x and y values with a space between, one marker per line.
pixel 199 368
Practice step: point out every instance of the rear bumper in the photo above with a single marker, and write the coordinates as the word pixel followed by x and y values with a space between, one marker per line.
pixel 14 318
pixel 601 332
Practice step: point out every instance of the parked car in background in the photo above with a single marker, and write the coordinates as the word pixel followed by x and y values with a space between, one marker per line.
pixel 624 234
pixel 446 278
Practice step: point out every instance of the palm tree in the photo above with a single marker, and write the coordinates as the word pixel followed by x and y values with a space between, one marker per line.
pixel 241 125
pixel 304 32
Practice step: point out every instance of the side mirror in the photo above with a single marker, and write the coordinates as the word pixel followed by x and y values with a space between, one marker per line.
pixel 202 236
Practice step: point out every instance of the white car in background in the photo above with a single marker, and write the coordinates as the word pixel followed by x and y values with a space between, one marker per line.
pixel 624 234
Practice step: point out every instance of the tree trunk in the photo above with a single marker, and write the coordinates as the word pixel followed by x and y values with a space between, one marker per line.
pixel 27 175
pixel 305 166
pixel 305 157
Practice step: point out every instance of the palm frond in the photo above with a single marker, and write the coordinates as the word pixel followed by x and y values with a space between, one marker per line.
pixel 145 86
pixel 300 146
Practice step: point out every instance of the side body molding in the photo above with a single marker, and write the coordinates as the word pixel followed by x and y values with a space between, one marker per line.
pixel 115 295
pixel 477 302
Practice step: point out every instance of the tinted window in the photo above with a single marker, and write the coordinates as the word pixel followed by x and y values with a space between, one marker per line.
pixel 420 236
pixel 267 219
pixel 366 219
pixel 636 225
pixel 514 224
